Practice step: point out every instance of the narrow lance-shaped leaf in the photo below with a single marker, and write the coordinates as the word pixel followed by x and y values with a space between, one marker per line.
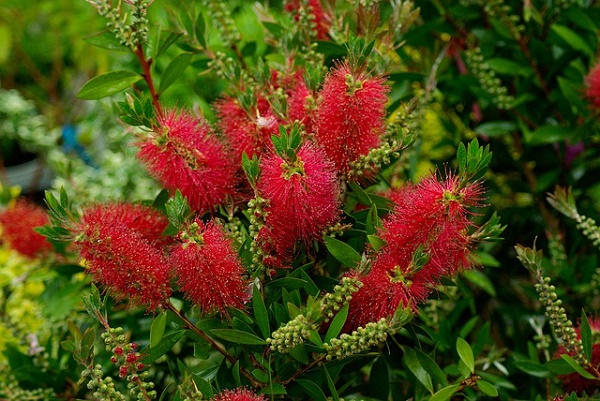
pixel 337 323
pixel 465 353
pixel 108 84
pixel 586 336
pixel 260 312
pixel 343 252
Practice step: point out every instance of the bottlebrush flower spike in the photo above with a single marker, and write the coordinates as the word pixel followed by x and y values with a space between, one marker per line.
pixel 120 252
pixel 239 394
pixel 351 114
pixel 426 237
pixel 301 102
pixel 592 91
pixel 321 19
pixel 17 225
pixel 574 382
pixel 209 271
pixel 303 200
pixel 245 131
pixel 184 154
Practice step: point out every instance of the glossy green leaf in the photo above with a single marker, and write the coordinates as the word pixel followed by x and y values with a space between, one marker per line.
pixel 337 323
pixel 376 242
pixel 166 40
pixel 496 128
pixel 108 84
pixel 465 353
pixel 572 38
pixel 479 278
pixel 586 336
pixel 577 367
pixel 487 388
pixel 445 393
pixel 238 336
pixel 334 393
pixel 260 312
pixel 158 329
pixel 106 40
pixel 167 342
pixel 379 379
pixel 413 363
pixel 343 252
pixel 174 70
pixel 312 389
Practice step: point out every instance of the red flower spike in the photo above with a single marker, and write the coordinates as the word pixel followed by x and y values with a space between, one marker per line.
pixel 248 132
pixel 592 91
pixel 17 225
pixel 574 382
pixel 351 115
pixel 210 271
pixel 122 257
pixel 239 394
pixel 321 19
pixel 301 102
pixel 303 198
pixel 184 154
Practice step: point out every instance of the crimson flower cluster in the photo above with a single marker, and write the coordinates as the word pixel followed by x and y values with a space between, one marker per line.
pixel 592 90
pixel 17 224
pixel 239 394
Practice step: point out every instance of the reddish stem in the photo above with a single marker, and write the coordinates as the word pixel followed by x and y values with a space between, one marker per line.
pixel 147 75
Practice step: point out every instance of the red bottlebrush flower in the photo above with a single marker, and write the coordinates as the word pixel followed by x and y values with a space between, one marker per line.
pixel 248 132
pixel 574 382
pixel 301 102
pixel 119 244
pixel 16 228
pixel 303 198
pixel 592 81
pixel 321 19
pixel 351 114
pixel 239 394
pixel 209 270
pixel 183 154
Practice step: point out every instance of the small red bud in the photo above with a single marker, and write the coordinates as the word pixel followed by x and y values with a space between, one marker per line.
pixel 131 357
pixel 122 372
pixel 113 359
pixel 118 351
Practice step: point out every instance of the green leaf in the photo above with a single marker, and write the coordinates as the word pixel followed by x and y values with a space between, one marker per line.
pixel 108 84
pixel 273 389
pixel 360 194
pixel 238 337
pixel 167 342
pixel 577 367
pixel 312 389
pixel 508 66
pixel 481 280
pixel 496 128
pixel 174 70
pixel 465 353
pixel 337 323
pixel 487 388
pixel 379 379
pixel 586 336
pixel 432 368
pixel 343 252
pixel 106 40
pixel 548 134
pixel 167 42
pixel 445 393
pixel 158 329
pixel 376 242
pixel 200 29
pixel 92 302
pixel 334 393
pixel 260 312
pixel 572 39
pixel 413 363
pixel 461 157
pixel 177 209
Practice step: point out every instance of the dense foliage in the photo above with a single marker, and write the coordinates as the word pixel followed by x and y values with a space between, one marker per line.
pixel 302 199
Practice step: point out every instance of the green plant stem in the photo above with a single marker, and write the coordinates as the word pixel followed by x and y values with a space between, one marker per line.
pixel 215 345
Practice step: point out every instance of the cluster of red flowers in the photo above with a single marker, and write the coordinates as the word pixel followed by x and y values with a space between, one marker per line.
pixel 592 91
pixel 239 394
pixel 17 224
pixel 427 237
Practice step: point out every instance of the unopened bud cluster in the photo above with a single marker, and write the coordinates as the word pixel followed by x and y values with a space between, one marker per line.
pixel 220 15
pixel 374 160
pixel 256 214
pixel 104 386
pixel 556 248
pixel 126 357
pixel 589 228
pixel 360 340
pixel 132 34
pixel 291 334
pixel 341 295
pixel 9 386
pixel 559 321
pixel 487 79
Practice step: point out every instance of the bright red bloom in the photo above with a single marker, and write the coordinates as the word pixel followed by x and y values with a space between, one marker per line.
pixel 119 246
pixel 592 81
pixel 16 228
pixel 351 114
pixel 321 19
pixel 429 218
pixel 239 394
pixel 245 131
pixel 304 199
pixel 209 269
pixel 184 154
pixel 301 102
pixel 574 382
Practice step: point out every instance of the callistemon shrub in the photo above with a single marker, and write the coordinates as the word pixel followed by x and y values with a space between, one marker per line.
pixel 303 200
pixel 426 237
pixel 121 247
pixel 17 224
pixel 592 90
pixel 350 116
pixel 208 269
pixel 183 153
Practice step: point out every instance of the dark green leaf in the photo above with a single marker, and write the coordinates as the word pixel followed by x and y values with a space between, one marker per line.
pixel 577 367
pixel 376 242
pixel 238 337
pixel 174 70
pixel 547 134
pixel 379 379
pixel 260 312
pixel 337 323
pixel 200 28
pixel 167 342
pixel 487 388
pixel 496 128
pixel 481 280
pixel 108 84
pixel 465 353
pixel 157 329
pixel 413 363
pixel 334 393
pixel 312 389
pixel 167 42
pixel 445 393
pixel 343 252
pixel 586 336
pixel 572 39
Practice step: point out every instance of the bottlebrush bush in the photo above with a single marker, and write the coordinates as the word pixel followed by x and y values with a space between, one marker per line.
pixel 313 239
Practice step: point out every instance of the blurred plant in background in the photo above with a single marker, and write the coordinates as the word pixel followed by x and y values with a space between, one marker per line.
pixel 261 289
